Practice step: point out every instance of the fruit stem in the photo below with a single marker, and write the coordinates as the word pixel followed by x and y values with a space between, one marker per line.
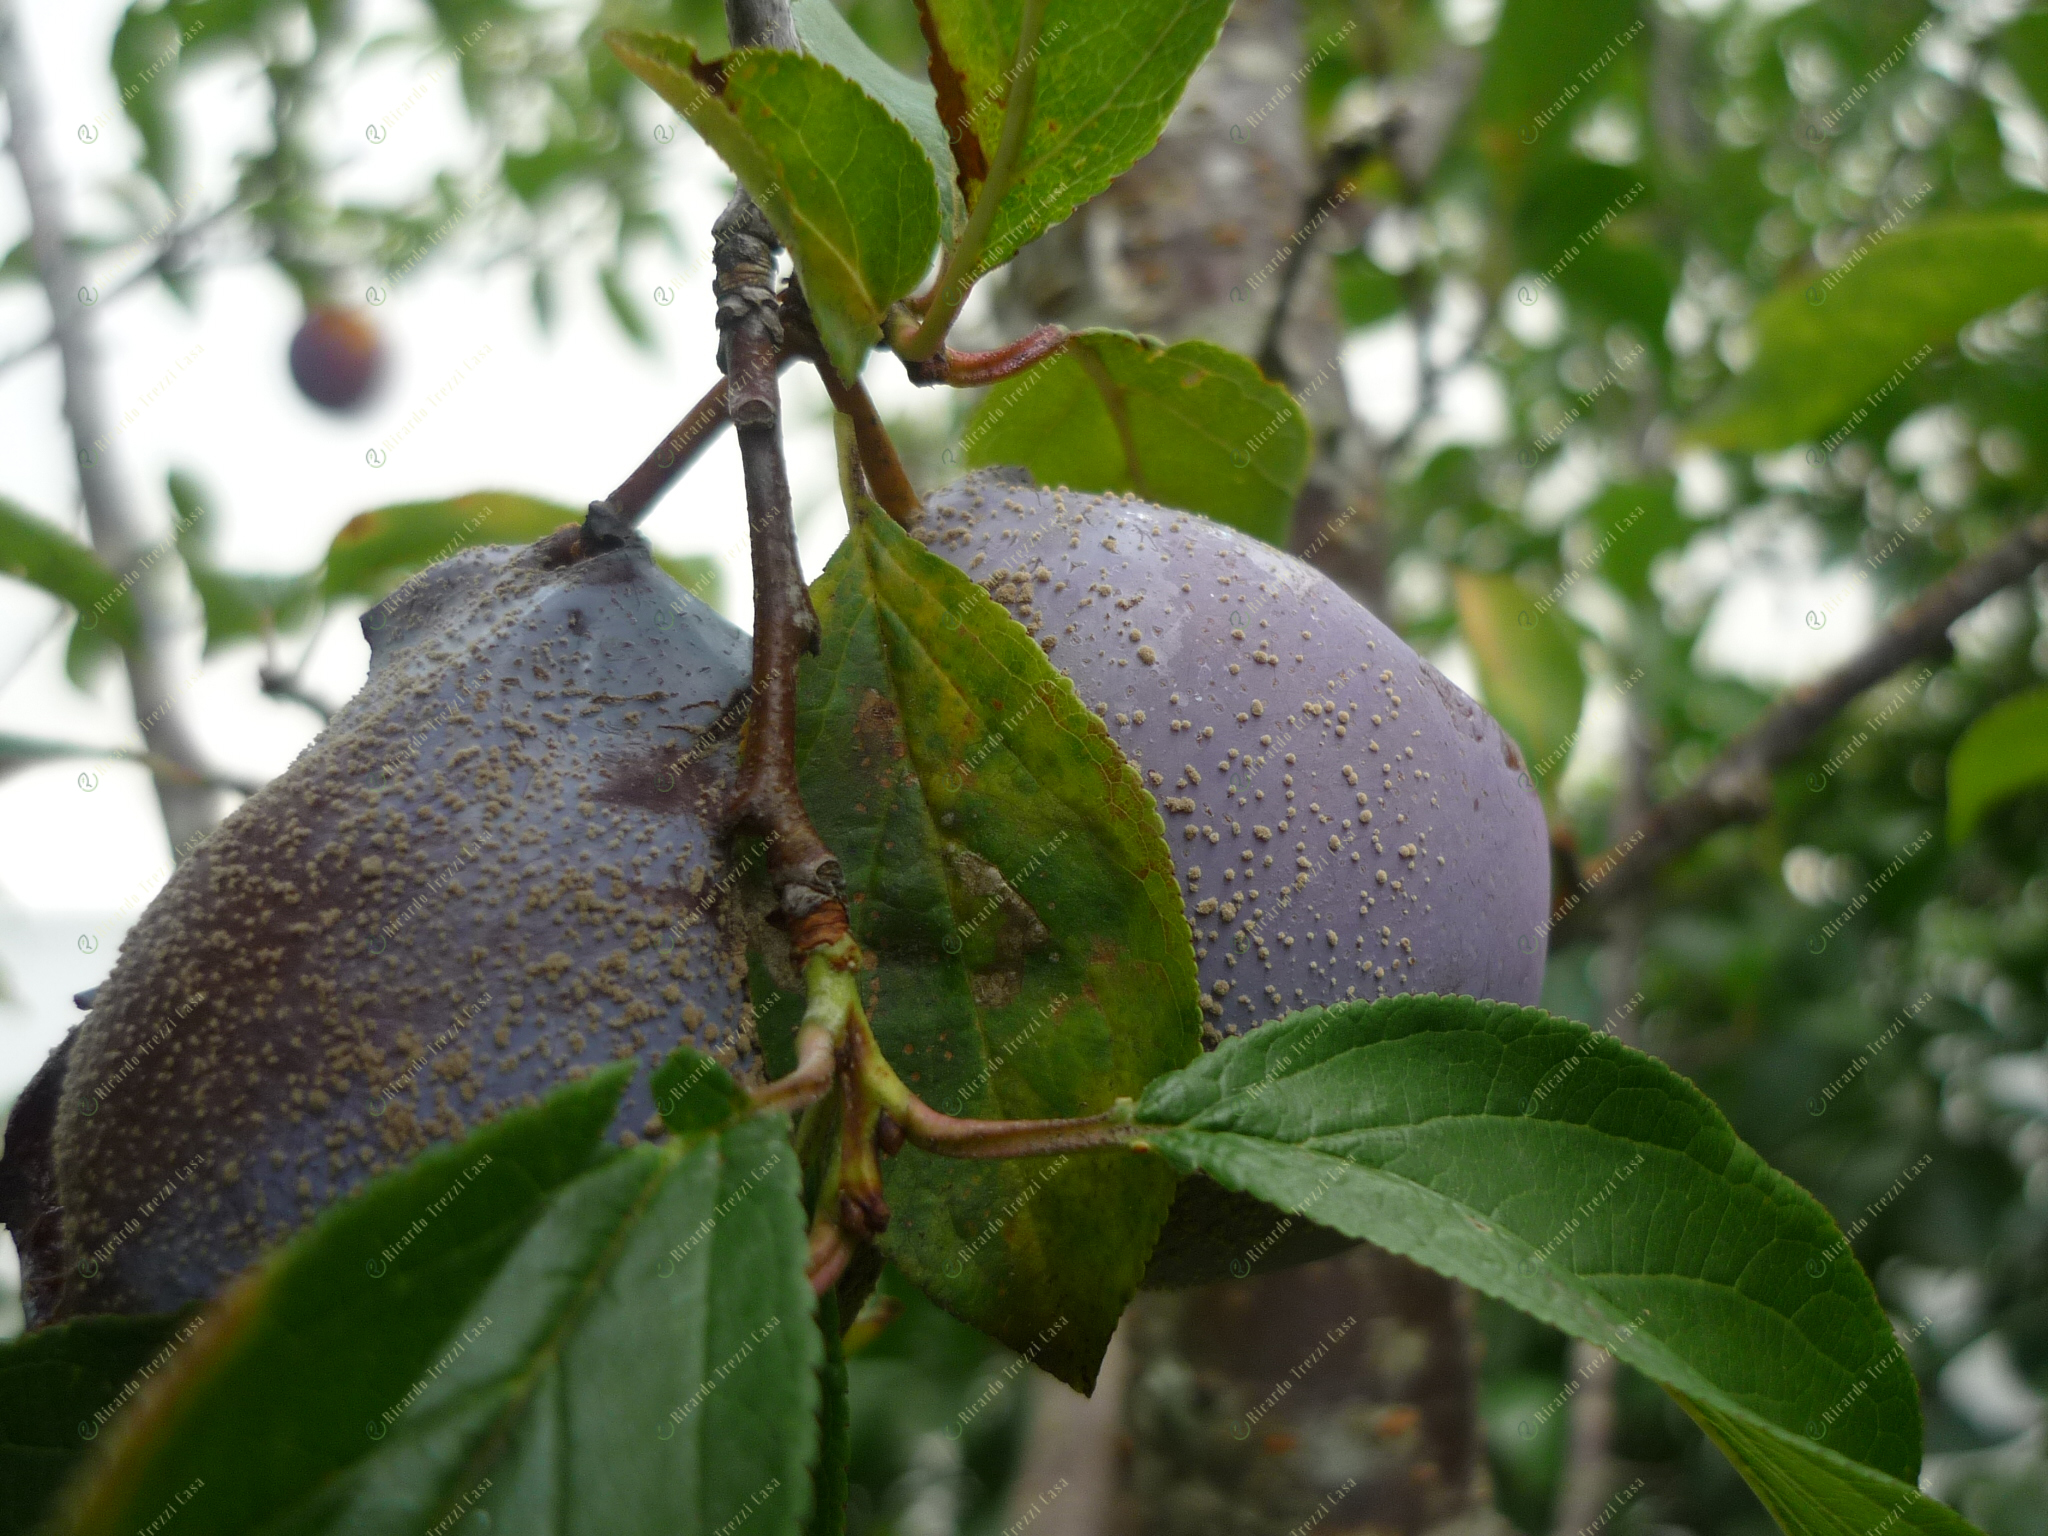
pixel 964 264
pixel 640 490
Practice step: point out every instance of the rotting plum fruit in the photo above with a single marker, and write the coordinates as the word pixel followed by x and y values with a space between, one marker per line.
pixel 337 357
pixel 493 872
pixel 1345 821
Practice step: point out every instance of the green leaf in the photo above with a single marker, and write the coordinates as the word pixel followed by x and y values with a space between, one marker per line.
pixel 844 183
pixel 693 1093
pixel 1192 425
pixel 2004 751
pixel 238 606
pixel 2024 45
pixel 144 63
pixel 1530 675
pixel 45 556
pixel 641 1357
pixel 58 1387
pixel 192 524
pixel 1108 76
pixel 328 1331
pixel 1834 346
pixel 625 309
pixel 376 550
pixel 1010 871
pixel 1545 63
pixel 1594 1188
pixel 827 35
pixel 1366 291
pixel 1635 522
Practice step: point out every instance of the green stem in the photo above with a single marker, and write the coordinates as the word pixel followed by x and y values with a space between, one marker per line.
pixel 961 270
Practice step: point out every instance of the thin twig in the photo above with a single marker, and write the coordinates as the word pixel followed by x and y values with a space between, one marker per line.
pixel 639 491
pixel 1736 786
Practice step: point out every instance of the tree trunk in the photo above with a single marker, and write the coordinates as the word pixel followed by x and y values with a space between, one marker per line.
pixel 1342 1392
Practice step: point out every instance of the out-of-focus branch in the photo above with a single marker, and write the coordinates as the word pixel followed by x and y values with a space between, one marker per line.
pixel 190 805
pixel 1736 786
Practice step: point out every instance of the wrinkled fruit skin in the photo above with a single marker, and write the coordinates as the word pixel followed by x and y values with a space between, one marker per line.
pixel 1345 821
pixel 493 873
pixel 337 357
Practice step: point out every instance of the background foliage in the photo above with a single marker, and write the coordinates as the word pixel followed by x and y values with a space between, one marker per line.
pixel 1793 373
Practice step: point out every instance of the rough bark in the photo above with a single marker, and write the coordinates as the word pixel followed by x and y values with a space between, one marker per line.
pixel 1172 249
